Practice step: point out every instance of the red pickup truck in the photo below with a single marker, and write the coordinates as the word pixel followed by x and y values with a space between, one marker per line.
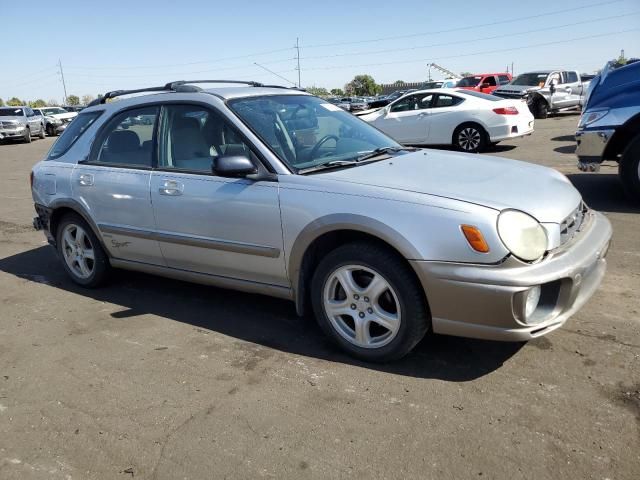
pixel 484 82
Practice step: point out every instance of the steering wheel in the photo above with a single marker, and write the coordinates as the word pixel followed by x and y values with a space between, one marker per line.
pixel 316 147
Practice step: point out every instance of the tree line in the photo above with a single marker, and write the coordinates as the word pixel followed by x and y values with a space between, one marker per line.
pixel 71 100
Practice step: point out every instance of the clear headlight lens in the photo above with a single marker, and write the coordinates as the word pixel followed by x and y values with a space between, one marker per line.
pixel 588 118
pixel 522 235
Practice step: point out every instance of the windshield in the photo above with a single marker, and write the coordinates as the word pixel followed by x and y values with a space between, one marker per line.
pixel 53 111
pixel 531 79
pixel 469 81
pixel 432 85
pixel 305 131
pixel 11 112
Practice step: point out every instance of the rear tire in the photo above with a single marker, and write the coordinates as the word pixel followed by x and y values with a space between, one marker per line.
pixel 629 170
pixel 42 132
pixel 470 138
pixel 380 288
pixel 541 109
pixel 80 251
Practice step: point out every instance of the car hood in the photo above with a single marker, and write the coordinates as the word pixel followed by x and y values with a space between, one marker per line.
pixel 493 182
pixel 517 88
pixel 63 116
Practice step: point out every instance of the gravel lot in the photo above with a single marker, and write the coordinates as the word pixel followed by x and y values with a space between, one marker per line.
pixel 157 379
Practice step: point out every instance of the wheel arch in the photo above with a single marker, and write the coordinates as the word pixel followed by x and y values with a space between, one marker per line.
pixel 325 234
pixel 59 208
pixel 622 137
pixel 476 123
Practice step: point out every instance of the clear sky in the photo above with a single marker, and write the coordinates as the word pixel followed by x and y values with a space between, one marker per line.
pixel 136 43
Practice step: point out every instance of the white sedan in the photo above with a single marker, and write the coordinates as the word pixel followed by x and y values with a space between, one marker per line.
pixel 471 121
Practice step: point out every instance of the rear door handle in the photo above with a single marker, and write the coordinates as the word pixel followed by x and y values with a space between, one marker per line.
pixel 85 179
pixel 171 187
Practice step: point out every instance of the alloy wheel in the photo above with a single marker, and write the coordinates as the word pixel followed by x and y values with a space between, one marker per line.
pixel 469 139
pixel 362 306
pixel 78 251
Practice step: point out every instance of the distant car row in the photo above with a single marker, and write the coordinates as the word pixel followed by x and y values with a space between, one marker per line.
pixel 24 123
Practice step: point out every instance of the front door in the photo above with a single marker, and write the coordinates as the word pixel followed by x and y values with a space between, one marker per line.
pixel 113 184
pixel 209 224
pixel 407 120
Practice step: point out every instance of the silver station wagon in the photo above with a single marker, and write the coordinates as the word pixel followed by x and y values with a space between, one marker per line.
pixel 272 190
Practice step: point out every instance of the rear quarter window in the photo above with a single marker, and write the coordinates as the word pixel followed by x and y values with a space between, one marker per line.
pixel 72 133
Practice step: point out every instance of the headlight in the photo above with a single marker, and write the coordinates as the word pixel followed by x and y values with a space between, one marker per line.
pixel 588 118
pixel 56 121
pixel 522 235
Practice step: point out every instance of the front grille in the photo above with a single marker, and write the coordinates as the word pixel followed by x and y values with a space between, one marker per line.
pixel 571 225
pixel 8 125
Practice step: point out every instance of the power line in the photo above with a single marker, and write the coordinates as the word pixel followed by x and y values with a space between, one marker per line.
pixel 473 40
pixel 485 52
pixel 38 72
pixel 468 27
pixel 274 73
pixel 200 62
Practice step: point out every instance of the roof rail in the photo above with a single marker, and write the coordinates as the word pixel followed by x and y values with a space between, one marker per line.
pixel 178 86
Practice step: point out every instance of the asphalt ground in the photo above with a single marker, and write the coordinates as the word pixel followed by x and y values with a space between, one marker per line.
pixel 157 379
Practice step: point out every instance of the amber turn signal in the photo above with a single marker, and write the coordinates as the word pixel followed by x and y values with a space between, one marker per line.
pixel 475 238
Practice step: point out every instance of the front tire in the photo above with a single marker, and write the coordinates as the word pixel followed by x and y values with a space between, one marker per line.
pixel 367 301
pixel 541 109
pixel 27 136
pixel 42 132
pixel 50 131
pixel 629 170
pixel 470 138
pixel 81 253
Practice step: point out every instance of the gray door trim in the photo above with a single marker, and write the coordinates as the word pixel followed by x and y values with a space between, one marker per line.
pixel 192 241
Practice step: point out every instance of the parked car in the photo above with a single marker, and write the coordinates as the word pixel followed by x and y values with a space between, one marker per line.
pixel 383 242
pixel 56 119
pixel 448 83
pixel 20 123
pixel 73 108
pixel 609 128
pixel 484 82
pixel 358 104
pixel 345 103
pixel 381 102
pixel 547 91
pixel 469 120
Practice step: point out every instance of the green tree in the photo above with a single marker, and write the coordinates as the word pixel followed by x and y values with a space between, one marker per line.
pixel 318 91
pixel 73 100
pixel 87 99
pixel 14 102
pixel 53 103
pixel 398 82
pixel 39 103
pixel 465 74
pixel 363 85
pixel 1 103
pixel 337 92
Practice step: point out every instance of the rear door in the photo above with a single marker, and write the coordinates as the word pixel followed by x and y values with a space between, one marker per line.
pixel 33 120
pixel 113 184
pixel 407 120
pixel 228 227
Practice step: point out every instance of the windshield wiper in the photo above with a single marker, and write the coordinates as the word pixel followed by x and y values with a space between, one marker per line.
pixel 328 165
pixel 382 150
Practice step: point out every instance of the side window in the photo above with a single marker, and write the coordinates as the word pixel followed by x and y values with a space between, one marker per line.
pixel 554 78
pixel 503 79
pixel 404 104
pixel 446 101
pixel 491 80
pixel 570 77
pixel 72 133
pixel 28 112
pixel 191 137
pixel 424 101
pixel 128 138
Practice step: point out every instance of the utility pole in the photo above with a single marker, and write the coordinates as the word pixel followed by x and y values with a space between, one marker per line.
pixel 298 58
pixel 63 84
pixel 512 69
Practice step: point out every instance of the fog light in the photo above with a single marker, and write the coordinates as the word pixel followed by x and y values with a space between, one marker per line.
pixel 533 298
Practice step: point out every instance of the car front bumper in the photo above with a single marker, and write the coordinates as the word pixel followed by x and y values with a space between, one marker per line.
pixel 591 144
pixel 12 133
pixel 486 301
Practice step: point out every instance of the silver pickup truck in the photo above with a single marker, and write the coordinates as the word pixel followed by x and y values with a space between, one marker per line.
pixel 548 91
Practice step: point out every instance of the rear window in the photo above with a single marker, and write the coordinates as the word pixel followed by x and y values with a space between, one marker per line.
pixel 484 96
pixel 72 133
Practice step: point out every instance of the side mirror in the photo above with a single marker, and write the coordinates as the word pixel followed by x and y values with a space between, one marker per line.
pixel 233 166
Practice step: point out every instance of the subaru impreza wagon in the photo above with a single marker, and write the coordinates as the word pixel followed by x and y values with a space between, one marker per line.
pixel 275 191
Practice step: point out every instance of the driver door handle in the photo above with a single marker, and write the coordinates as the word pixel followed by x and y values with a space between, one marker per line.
pixel 171 187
